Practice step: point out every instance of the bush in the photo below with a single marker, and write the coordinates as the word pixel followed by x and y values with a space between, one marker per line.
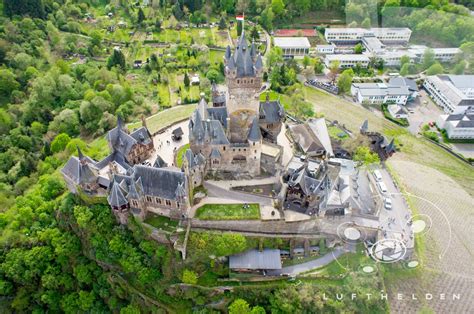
pixel 431 135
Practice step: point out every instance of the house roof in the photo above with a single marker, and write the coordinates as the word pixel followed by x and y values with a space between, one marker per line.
pixel 254 259
pixel 403 81
pixel 292 42
pixel 271 111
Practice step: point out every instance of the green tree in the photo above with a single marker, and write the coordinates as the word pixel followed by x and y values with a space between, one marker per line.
pixel 222 23
pixel 278 7
pixel 435 69
pixel 266 18
pixel 186 80
pixel 60 142
pixel 366 23
pixel 116 59
pixel 428 58
pixel 239 306
pixel 140 16
pixel 306 61
pixel 8 82
pixel 344 81
pixel 239 28
pixel 358 48
pixel 254 34
pixel 189 277
pixel 364 155
pixel 404 60
pixel 460 67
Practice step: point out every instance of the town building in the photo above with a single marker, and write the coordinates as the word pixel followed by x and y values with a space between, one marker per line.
pixel 253 260
pixel 458 125
pixel 397 111
pixel 347 60
pixel 355 35
pixel 409 83
pixel 380 93
pixel 293 46
pixel 451 92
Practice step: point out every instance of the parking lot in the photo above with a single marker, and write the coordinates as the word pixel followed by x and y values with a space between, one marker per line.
pixel 422 111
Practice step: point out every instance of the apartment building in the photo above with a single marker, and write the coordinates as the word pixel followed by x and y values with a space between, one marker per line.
pixel 451 92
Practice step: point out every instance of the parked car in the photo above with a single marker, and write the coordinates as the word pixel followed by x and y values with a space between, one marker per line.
pixel 387 203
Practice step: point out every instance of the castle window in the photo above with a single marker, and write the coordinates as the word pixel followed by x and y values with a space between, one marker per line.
pixel 238 81
pixel 251 81
pixel 255 151
pixel 253 143
pixel 168 202
pixel 149 199
pixel 223 148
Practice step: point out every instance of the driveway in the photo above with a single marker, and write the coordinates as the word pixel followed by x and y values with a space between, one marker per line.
pixel 307 266
pixel 425 111
pixel 393 222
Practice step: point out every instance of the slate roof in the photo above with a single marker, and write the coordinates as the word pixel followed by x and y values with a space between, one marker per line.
pixel 159 162
pixel 120 140
pixel 115 156
pixel 271 111
pixel 194 160
pixel 305 181
pixel 215 153
pixel 254 259
pixel 161 182
pixel 116 197
pixel 218 113
pixel 403 81
pixel 80 173
pixel 242 59
pixel 141 135
pixel 254 134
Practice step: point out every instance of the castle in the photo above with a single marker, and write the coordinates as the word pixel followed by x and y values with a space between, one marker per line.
pixel 225 137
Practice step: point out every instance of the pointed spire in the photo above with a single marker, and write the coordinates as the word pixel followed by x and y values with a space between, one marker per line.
pixel 259 63
pixel 116 197
pixel 79 153
pixel 365 126
pixel 254 134
pixel 228 53
pixel 119 122
pixel 390 147
pixel 253 50
pixel 202 107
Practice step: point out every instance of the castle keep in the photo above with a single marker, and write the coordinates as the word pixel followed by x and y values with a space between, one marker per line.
pixel 229 133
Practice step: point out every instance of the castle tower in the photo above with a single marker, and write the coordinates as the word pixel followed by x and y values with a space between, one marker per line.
pixel 244 71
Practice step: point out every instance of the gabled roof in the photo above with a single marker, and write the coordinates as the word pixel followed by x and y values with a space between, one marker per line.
pixel 120 140
pixel 159 162
pixel 161 182
pixel 80 172
pixel 271 111
pixel 194 160
pixel 141 135
pixel 116 197
pixel 215 153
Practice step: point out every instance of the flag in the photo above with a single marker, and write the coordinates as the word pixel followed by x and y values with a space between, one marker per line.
pixel 240 17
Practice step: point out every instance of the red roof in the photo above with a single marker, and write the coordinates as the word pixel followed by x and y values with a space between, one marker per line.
pixel 296 32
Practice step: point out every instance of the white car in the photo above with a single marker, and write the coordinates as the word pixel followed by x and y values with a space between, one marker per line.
pixel 387 203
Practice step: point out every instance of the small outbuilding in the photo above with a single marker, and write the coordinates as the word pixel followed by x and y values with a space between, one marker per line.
pixel 255 260
pixel 177 134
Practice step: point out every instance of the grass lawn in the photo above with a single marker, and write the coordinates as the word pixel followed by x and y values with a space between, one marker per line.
pixel 336 133
pixel 180 155
pixel 165 118
pixel 228 212
pixel 161 222
pixel 216 56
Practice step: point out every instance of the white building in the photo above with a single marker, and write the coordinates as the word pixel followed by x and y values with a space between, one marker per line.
pixel 458 126
pixel 325 49
pixel 451 92
pixel 416 53
pixel 293 46
pixel 379 93
pixel 354 35
pixel 347 60
pixel 397 111
pixel 373 44
pixel 409 83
